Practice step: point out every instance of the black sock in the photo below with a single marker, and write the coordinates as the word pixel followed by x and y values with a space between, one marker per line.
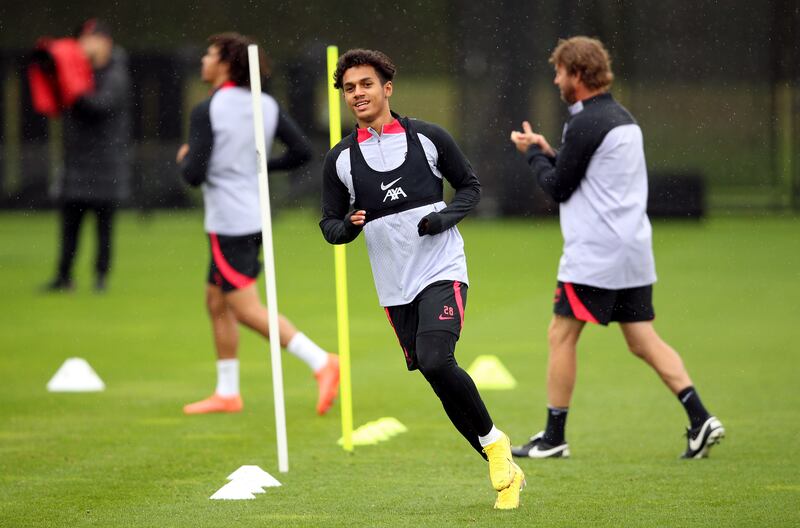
pixel 695 410
pixel 556 422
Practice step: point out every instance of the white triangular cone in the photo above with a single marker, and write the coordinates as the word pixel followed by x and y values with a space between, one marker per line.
pixel 234 490
pixel 254 476
pixel 488 372
pixel 75 375
pixel 250 486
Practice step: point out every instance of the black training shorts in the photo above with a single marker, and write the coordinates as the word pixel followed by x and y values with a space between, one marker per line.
pixel 601 306
pixel 234 260
pixel 439 307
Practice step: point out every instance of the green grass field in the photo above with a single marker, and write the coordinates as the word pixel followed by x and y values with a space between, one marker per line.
pixel 726 299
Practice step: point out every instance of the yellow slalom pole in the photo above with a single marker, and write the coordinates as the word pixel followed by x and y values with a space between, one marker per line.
pixel 340 265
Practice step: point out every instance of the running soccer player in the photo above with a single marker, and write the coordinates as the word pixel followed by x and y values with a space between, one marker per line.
pixel 386 179
pixel 607 270
pixel 221 156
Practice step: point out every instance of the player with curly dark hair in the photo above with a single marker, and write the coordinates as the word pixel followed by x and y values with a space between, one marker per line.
pixel 221 156
pixel 386 179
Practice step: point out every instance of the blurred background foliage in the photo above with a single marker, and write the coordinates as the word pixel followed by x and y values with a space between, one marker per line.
pixel 713 84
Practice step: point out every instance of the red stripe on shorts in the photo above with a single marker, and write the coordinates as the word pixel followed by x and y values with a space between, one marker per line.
pixel 578 309
pixel 239 280
pixel 459 301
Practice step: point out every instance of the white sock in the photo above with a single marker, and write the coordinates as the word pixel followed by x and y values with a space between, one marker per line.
pixel 228 377
pixel 307 350
pixel 491 437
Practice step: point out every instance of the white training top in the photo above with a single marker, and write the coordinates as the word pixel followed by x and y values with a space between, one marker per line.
pixel 607 234
pixel 230 191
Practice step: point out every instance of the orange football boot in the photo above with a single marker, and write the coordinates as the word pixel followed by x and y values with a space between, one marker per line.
pixel 215 404
pixel 328 382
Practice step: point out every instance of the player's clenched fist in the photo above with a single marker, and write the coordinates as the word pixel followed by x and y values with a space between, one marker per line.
pixel 358 217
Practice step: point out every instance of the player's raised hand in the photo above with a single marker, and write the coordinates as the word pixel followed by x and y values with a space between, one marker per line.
pixel 182 152
pixel 526 138
pixel 523 140
pixel 526 128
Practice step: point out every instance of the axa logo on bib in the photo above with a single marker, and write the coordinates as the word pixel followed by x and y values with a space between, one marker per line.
pixel 393 194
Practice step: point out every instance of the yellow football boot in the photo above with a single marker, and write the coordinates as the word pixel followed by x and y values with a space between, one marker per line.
pixel 501 468
pixel 508 499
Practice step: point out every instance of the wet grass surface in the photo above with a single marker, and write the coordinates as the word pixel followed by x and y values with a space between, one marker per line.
pixel 726 299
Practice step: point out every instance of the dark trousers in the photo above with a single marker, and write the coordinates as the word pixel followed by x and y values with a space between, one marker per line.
pixel 72 213
pixel 428 329
pixel 453 386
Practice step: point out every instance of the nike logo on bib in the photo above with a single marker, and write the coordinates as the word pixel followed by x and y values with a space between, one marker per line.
pixel 384 187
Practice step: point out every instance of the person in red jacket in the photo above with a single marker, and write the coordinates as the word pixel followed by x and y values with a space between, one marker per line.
pixel 97 136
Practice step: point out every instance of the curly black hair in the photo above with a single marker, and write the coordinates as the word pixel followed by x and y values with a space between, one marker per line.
pixel 363 57
pixel 233 52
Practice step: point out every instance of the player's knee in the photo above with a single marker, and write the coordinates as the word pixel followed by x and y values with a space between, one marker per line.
pixel 642 344
pixel 435 353
pixel 244 315
pixel 637 349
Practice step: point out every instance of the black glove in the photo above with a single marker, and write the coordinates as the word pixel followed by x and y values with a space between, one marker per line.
pixel 430 224
pixel 349 226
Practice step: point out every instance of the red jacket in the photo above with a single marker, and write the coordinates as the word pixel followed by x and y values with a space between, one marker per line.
pixel 59 74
